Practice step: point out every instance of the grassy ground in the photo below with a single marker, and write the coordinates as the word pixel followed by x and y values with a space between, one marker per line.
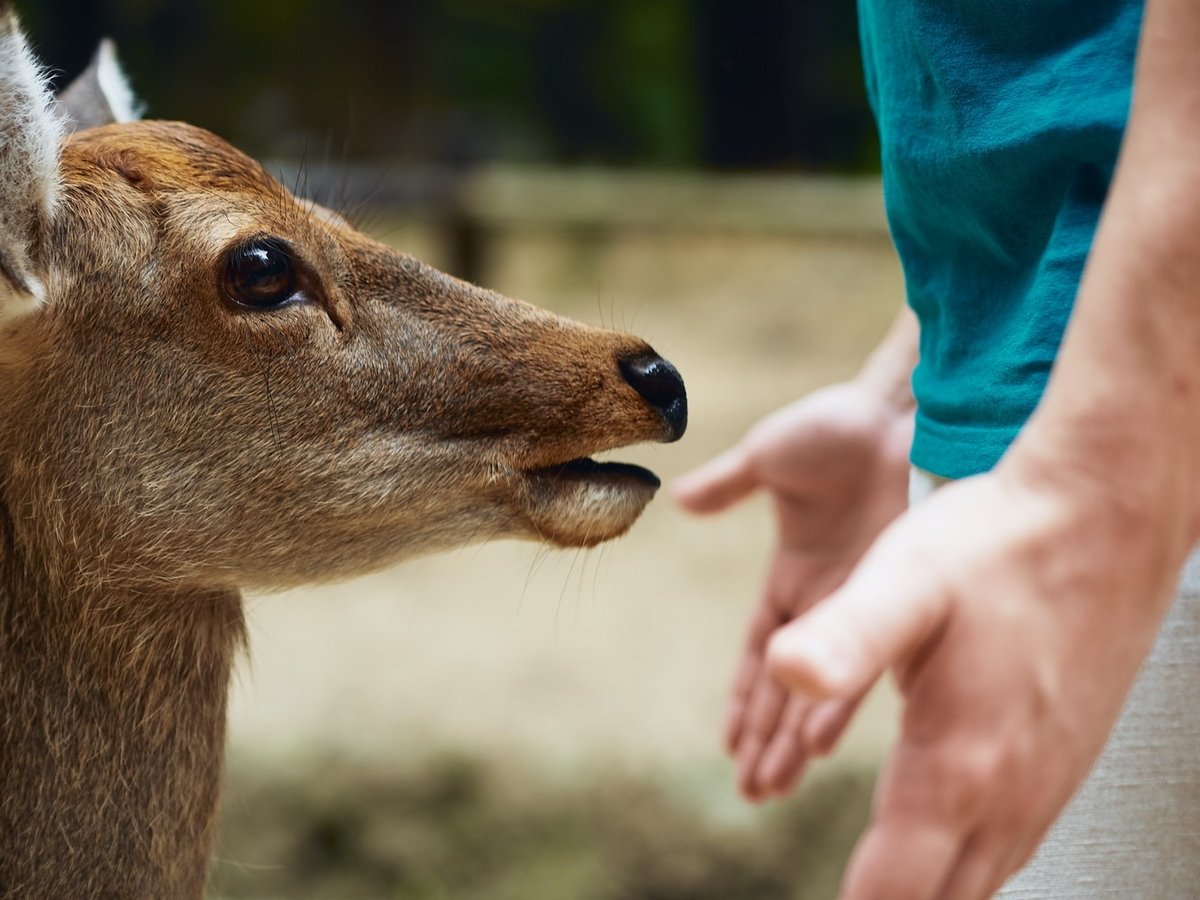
pixel 508 722
pixel 459 828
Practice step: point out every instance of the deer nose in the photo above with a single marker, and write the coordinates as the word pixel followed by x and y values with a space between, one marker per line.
pixel 659 384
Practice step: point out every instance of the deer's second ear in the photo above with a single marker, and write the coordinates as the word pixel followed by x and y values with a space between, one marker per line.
pixel 30 132
pixel 101 94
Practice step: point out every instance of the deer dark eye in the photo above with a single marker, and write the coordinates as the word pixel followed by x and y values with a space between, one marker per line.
pixel 260 274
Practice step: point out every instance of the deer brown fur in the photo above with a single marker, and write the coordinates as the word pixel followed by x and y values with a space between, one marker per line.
pixel 163 446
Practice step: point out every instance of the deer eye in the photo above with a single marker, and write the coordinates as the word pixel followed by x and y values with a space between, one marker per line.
pixel 260 274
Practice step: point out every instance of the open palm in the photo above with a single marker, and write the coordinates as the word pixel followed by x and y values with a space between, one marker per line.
pixel 835 464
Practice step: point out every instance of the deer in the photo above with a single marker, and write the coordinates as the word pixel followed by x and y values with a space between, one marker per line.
pixel 208 385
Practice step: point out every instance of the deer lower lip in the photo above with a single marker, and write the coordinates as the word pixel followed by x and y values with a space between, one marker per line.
pixel 583 502
pixel 586 467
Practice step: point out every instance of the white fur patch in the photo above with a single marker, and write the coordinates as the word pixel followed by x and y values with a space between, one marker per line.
pixel 29 146
pixel 16 303
pixel 115 85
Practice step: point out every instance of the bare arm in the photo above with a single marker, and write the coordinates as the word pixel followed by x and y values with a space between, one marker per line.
pixel 1125 394
pixel 1014 609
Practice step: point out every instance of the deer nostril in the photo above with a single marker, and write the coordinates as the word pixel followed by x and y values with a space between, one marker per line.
pixel 659 384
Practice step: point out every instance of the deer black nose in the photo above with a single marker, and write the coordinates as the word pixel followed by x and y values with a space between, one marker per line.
pixel 660 385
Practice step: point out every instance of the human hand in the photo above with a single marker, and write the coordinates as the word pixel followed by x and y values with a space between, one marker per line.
pixel 1014 611
pixel 836 466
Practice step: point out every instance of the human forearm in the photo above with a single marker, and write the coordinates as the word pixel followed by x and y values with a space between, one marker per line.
pixel 1123 405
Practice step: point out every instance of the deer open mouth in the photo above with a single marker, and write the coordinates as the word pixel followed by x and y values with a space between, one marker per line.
pixel 586 467
pixel 582 502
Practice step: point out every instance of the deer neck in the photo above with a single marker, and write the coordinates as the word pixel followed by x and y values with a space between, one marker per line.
pixel 112 727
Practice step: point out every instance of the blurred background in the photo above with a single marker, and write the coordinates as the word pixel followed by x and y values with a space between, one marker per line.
pixel 711 83
pixel 507 721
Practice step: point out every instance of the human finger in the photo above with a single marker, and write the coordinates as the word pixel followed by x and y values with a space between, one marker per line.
pixel 762 719
pixel 1022 851
pixel 739 699
pixel 786 752
pixel 937 791
pixel 717 484
pixel 901 860
pixel 827 722
pixel 883 614
pixel 980 870
pixel 767 617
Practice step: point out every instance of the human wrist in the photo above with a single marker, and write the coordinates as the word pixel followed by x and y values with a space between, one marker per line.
pixel 888 385
pixel 1121 409
pixel 1124 396
pixel 887 372
pixel 1128 474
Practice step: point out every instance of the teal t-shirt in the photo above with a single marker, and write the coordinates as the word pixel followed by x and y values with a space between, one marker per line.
pixel 1000 124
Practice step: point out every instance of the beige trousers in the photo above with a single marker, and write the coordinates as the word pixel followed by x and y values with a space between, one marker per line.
pixel 1133 829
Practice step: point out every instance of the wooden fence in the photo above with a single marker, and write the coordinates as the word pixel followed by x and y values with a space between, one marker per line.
pixel 467 206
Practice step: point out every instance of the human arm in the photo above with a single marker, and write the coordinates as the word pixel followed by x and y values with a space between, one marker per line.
pixel 835 464
pixel 1015 609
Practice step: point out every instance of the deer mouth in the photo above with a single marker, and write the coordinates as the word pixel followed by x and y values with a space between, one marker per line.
pixel 586 467
pixel 582 502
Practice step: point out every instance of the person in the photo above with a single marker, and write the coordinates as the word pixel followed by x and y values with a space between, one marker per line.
pixel 1037 192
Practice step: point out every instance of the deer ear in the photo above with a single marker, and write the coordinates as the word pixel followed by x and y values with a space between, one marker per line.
pixel 101 94
pixel 30 132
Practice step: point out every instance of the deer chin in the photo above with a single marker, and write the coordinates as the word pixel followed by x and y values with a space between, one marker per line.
pixel 583 502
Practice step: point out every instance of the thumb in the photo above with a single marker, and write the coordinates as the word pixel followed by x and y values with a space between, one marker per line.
pixel 717 484
pixel 886 611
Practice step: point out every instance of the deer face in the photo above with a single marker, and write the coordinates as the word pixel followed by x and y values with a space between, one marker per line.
pixel 218 382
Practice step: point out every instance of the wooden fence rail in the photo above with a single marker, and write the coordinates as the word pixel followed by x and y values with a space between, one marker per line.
pixel 467 205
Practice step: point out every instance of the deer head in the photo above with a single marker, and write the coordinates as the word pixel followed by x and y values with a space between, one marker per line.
pixel 207 383
pixel 204 379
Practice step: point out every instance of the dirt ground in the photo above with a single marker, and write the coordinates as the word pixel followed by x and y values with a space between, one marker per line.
pixel 574 666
